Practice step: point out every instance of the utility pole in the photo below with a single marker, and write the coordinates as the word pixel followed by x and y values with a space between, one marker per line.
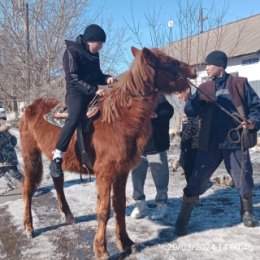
pixel 201 20
pixel 28 51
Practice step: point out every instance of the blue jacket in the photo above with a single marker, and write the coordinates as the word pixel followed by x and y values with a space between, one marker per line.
pixel 217 122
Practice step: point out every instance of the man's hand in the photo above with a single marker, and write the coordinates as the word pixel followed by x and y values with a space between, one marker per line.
pixel 111 80
pixel 248 124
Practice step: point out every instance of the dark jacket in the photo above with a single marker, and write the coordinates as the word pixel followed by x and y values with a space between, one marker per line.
pixel 214 123
pixel 82 68
pixel 159 140
pixel 8 155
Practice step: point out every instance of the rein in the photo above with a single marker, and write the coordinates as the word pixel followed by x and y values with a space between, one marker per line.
pixel 234 116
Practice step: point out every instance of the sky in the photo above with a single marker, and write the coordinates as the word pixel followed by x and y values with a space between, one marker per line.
pixel 121 10
pixel 167 10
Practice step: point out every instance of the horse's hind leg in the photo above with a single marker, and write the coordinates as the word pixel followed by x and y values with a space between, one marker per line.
pixel 119 204
pixel 32 177
pixel 62 202
pixel 103 211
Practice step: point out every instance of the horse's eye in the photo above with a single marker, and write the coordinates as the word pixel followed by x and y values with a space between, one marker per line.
pixel 174 64
pixel 171 64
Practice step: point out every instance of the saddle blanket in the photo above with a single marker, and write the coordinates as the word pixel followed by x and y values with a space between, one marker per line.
pixel 55 120
pixel 59 114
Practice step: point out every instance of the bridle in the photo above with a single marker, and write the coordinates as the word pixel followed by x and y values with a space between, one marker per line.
pixel 172 67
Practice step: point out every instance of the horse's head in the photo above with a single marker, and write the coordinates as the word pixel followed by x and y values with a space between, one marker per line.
pixel 168 74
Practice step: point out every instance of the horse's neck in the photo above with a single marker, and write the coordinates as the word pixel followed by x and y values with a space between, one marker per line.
pixel 127 100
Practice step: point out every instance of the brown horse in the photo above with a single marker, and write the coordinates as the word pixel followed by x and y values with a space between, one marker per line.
pixel 119 135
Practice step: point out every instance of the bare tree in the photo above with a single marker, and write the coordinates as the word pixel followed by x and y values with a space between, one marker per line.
pixel 113 53
pixel 157 32
pixel 32 44
pixel 190 21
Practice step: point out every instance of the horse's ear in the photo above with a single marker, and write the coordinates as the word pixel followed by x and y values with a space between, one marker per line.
pixel 149 55
pixel 134 51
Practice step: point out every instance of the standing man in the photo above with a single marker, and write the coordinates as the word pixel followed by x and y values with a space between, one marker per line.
pixel 83 75
pixel 214 146
pixel 154 156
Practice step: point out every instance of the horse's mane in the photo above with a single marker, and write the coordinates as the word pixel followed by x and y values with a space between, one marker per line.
pixel 131 84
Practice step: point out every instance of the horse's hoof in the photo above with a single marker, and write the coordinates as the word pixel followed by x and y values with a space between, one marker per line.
pixel 134 249
pixel 101 254
pixel 29 234
pixel 70 219
pixel 104 256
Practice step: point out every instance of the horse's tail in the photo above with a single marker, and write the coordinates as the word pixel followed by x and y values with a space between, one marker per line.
pixel 31 153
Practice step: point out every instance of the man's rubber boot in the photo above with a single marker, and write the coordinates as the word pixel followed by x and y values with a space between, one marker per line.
pixel 181 225
pixel 247 214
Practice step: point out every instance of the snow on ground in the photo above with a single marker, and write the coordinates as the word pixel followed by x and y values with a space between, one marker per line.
pixel 215 228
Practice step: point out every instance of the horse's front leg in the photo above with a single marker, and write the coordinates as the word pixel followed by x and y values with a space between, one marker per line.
pixel 103 211
pixel 62 202
pixel 119 204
